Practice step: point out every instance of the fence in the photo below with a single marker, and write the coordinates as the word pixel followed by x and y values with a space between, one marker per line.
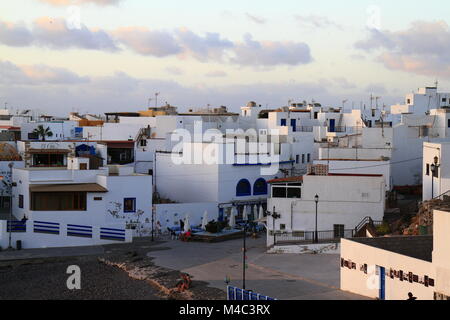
pixel 236 294
pixel 307 237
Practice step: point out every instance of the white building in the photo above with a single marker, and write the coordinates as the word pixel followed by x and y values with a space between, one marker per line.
pixel 435 157
pixel 391 268
pixel 422 101
pixel 77 206
pixel 344 201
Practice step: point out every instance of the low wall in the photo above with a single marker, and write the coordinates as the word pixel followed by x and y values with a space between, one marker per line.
pixel 47 235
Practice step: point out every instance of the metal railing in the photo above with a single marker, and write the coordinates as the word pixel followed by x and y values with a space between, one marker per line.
pixel 307 237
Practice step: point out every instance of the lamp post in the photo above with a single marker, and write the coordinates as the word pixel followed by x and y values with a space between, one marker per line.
pixel 244 252
pixel 316 236
pixel 434 169
pixel 10 165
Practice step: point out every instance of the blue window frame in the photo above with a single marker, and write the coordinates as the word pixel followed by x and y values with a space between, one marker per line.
pixel 243 188
pixel 283 122
pixel 129 205
pixel 260 187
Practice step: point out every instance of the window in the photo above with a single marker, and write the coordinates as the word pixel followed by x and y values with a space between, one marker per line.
pixel 297 159
pixel 21 201
pixel 282 227
pixel 279 192
pixel 260 187
pixel 243 188
pixel 292 191
pixel 448 123
pixel 444 99
pixel 98 198
pixel 408 101
pixel 129 205
pixel 143 143
pixel 58 201
pixel 303 158
pixel 428 169
pixel 83 166
pixel 316 115
pixel 283 122
pixel 309 158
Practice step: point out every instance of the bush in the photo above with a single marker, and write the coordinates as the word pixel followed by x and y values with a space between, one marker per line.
pixel 383 229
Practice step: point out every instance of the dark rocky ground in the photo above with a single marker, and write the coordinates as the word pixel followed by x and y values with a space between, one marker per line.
pixel 109 276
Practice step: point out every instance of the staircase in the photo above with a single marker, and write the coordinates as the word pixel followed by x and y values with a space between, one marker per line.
pixel 367 228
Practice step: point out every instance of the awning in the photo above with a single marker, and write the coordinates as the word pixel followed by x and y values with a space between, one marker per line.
pixel 82 187
pixel 49 151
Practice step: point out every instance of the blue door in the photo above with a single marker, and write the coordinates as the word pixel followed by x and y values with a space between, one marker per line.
pixel 283 122
pixel 221 214
pixel 294 125
pixel 382 271
pixel 332 125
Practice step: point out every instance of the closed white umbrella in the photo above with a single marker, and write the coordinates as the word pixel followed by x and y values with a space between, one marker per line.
pixel 232 221
pixel 205 220
pixel 187 224
pixel 245 214
pixel 261 214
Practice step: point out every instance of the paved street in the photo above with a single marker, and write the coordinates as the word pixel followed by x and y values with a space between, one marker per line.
pixel 296 277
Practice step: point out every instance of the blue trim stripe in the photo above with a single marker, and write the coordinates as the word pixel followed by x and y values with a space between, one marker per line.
pixel 80 235
pixel 112 238
pixel 112 229
pixel 112 234
pixel 78 226
pixel 45 231
pixel 46 227
pixel 43 222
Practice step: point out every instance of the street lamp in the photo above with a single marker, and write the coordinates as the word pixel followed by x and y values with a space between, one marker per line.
pixel 316 236
pixel 434 169
pixel 244 251
pixel 10 165
pixel 274 216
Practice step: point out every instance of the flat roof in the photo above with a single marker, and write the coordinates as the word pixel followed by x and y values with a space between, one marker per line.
pixel 288 179
pixel 81 187
pixel 418 247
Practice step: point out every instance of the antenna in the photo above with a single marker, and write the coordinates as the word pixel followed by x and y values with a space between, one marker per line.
pixel 156 99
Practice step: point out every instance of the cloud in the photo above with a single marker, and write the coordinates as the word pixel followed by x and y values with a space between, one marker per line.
pixel 255 19
pixel 184 43
pixel 270 53
pixel 79 2
pixel 55 34
pixel 216 74
pixel 315 21
pixel 122 92
pixel 422 49
pixel 175 71
pixel 148 42
pixel 11 74
pixel 211 46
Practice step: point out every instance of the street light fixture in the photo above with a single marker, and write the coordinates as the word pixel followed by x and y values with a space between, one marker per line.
pixel 10 165
pixel 316 235
pixel 434 169
pixel 274 216
pixel 244 251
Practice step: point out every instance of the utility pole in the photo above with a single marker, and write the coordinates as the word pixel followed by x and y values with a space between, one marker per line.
pixel 156 99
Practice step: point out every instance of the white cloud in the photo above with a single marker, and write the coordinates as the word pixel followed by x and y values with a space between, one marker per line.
pixel 422 49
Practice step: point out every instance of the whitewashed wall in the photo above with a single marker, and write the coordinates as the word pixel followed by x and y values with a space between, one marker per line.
pixel 170 214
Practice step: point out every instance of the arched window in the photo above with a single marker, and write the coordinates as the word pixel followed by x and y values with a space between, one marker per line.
pixel 260 187
pixel 243 188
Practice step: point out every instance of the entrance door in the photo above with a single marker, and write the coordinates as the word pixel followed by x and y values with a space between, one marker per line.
pixel 382 272
pixel 294 125
pixel 221 211
pixel 332 125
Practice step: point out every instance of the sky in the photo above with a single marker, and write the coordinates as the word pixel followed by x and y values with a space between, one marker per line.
pixel 96 56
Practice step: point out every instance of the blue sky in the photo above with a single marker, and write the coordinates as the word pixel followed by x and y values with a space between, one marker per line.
pixel 198 52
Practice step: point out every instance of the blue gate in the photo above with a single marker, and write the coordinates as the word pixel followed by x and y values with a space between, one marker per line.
pixel 382 283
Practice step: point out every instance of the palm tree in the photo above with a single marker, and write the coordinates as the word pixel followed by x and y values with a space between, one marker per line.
pixel 41 132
